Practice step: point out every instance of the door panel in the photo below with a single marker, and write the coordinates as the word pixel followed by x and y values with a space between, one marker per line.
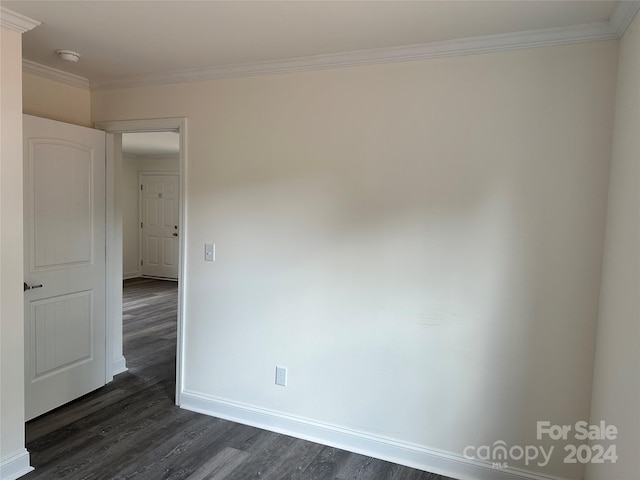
pixel 62 332
pixel 159 199
pixel 62 203
pixel 64 231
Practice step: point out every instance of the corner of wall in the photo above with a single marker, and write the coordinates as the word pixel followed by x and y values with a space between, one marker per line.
pixel 615 397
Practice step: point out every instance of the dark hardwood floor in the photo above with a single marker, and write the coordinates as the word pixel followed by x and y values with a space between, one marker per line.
pixel 131 429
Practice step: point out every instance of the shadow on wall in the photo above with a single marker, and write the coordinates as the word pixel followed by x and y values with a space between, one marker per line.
pixel 440 280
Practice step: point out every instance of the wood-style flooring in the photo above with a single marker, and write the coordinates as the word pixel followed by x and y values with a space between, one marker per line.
pixel 131 428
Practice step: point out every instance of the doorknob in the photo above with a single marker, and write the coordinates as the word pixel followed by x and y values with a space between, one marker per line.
pixel 30 287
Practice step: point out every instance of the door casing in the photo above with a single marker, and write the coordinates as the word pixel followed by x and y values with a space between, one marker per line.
pixel 114 130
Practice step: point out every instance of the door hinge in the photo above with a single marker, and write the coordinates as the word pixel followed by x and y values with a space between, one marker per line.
pixel 140 224
pixel 141 263
pixel 140 186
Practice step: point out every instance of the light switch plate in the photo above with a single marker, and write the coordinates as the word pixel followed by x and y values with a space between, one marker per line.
pixel 281 376
pixel 209 252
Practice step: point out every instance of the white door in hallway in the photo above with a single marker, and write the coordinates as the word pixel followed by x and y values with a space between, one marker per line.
pixel 64 263
pixel 159 195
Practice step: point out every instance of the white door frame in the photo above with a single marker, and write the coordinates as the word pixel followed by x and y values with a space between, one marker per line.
pixel 114 233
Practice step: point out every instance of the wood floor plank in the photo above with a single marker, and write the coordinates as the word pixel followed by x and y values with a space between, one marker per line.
pixel 326 464
pixel 182 450
pixel 220 465
pixel 131 429
pixel 296 461
pixel 359 467
pixel 283 458
pixel 161 453
pixel 81 409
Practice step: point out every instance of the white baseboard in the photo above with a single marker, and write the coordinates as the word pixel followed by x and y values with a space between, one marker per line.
pixel 129 275
pixel 411 455
pixel 15 465
pixel 119 366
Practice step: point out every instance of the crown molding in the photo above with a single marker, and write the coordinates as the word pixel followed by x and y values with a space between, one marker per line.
pixel 54 74
pixel 485 44
pixel 16 21
pixel 601 31
pixel 623 16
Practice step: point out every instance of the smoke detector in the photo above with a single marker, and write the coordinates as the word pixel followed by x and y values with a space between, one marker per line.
pixel 68 55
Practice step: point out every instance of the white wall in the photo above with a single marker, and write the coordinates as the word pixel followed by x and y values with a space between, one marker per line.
pixel 132 166
pixel 419 243
pixel 130 226
pixel 55 100
pixel 616 386
pixel 14 459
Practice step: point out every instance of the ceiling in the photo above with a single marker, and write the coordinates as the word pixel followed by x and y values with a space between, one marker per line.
pixel 126 38
pixel 151 144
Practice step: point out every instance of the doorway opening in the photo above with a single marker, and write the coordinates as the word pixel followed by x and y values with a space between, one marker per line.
pixel 150 205
pixel 154 148
pixel 150 194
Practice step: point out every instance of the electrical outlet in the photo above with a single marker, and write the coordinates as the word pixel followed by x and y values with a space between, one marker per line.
pixel 281 376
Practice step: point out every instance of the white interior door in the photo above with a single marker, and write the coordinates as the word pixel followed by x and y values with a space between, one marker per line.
pixel 159 213
pixel 64 233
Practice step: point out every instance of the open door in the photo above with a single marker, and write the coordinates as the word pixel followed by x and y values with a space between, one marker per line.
pixel 64 263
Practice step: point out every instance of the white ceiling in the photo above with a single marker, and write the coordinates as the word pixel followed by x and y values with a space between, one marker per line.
pixel 128 38
pixel 152 143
